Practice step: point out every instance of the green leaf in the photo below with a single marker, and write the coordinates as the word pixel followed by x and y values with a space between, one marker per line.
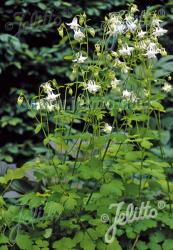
pixel 79 237
pixel 64 243
pixel 4 248
pixel 24 242
pixel 167 245
pixel 157 237
pixel 42 6
pixel 3 239
pixel 146 144
pixel 157 106
pixel 154 246
pixel 70 57
pixel 87 243
pixel 115 187
pixel 38 128
pixel 42 243
pixel 48 233
pixel 144 225
pixel 69 201
pixel 114 245
pixel 53 208
pixel 141 245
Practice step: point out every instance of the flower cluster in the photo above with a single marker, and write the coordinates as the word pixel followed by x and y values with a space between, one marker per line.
pixel 136 43
pixel 129 96
pixel 133 30
pixel 78 34
pixel 92 86
pixel 136 40
pixel 49 102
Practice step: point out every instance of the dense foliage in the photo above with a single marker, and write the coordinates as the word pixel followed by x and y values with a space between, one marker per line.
pixel 102 128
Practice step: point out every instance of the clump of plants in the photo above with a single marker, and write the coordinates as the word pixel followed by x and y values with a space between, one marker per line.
pixel 105 145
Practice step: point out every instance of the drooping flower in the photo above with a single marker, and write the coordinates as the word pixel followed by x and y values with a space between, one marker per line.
pixel 92 86
pixel 167 87
pixel 159 31
pixel 52 97
pixel 122 65
pixel 107 128
pixel 143 44
pixel 134 98
pixel 47 87
pixel 116 26
pixel 131 24
pixel 80 58
pixel 126 50
pixel 156 22
pixel 127 94
pixel 74 24
pixel 78 35
pixel 152 51
pixel 114 83
pixel 125 69
pixel 141 34
pixel 134 8
pixel 50 107
pixel 20 100
pixel 146 92
pixel 38 105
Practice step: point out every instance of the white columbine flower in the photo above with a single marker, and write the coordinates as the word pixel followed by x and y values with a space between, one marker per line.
pixel 107 128
pixel 74 24
pixel 124 68
pixel 47 87
pixel 152 50
pixel 134 98
pixel 50 107
pixel 116 26
pixel 159 31
pixel 52 97
pixel 92 86
pixel 78 35
pixel 114 83
pixel 131 24
pixel 167 87
pixel 80 58
pixel 36 105
pixel 156 22
pixel 127 94
pixel 141 34
pixel 39 104
pixel 126 50
pixel 143 45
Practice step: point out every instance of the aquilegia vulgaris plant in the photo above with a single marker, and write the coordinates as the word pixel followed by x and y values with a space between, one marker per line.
pixel 104 137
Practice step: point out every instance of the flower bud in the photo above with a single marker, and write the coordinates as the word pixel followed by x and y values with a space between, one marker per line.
pixel 70 91
pixel 20 100
pixel 134 8
pixel 163 52
pixel 61 30
pixel 91 31
pixel 82 19
pixel 74 69
pixel 97 47
pixel 114 54
pixel 120 41
pixel 128 35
